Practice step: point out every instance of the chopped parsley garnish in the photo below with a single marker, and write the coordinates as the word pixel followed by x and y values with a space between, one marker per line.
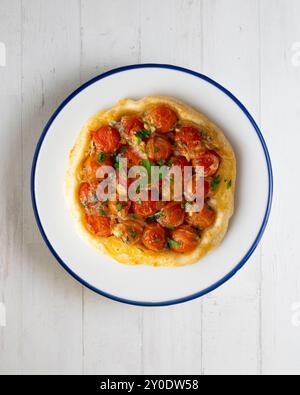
pixel 101 158
pixel 143 134
pixel 132 232
pixel 119 207
pixel 229 184
pixel 215 182
pixel 147 165
pixel 156 150
pixel 173 243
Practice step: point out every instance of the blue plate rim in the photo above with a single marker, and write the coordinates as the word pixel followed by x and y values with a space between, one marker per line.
pixel 265 219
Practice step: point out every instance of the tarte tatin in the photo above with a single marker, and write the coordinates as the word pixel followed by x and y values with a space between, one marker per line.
pixel 154 131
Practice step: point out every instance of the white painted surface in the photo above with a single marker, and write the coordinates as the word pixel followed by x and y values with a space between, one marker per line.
pixel 250 325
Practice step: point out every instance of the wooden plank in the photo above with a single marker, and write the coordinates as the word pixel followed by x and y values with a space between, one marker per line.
pixel 171 32
pixel 11 191
pixel 281 123
pixel 231 320
pixel 51 308
pixel 112 331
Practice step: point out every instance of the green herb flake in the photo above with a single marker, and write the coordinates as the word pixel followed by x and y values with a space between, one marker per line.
pixel 119 207
pixel 173 243
pixel 229 184
pixel 132 232
pixel 157 240
pixel 156 150
pixel 101 158
pixel 142 135
pixel 147 165
pixel 215 182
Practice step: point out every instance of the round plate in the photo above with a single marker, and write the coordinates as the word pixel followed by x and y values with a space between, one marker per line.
pixel 142 285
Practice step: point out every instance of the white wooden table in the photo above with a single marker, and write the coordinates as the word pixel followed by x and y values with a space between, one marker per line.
pixel 48 322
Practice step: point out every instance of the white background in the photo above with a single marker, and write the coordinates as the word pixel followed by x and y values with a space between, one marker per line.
pixel 49 323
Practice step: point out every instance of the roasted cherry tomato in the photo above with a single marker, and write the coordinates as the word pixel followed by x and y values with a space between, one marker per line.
pixel 210 160
pixel 145 209
pixel 179 161
pixel 98 225
pixel 154 237
pixel 191 188
pixel 158 148
pixel 163 118
pixel 93 164
pixel 132 156
pixel 87 193
pixel 106 139
pixel 131 125
pixel 184 239
pixel 188 142
pixel 172 215
pixel 129 231
pixel 119 209
pixel 203 219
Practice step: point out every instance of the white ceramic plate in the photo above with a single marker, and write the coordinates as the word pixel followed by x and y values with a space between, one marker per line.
pixel 143 285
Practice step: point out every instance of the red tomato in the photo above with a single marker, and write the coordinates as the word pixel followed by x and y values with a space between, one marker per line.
pixel 131 125
pixel 106 139
pixel 180 161
pixel 158 148
pixel 191 189
pixel 93 164
pixel 87 193
pixel 147 208
pixel 184 239
pixel 210 160
pixel 98 225
pixel 129 231
pixel 163 118
pixel 188 141
pixel 133 158
pixel 204 219
pixel 154 237
pixel 172 215
pixel 119 209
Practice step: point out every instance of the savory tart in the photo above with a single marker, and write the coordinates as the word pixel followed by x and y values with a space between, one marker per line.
pixel 154 131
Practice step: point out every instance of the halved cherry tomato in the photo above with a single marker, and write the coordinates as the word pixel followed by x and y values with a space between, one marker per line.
pixel 172 215
pixel 129 231
pixel 146 208
pixel 203 219
pixel 179 161
pixel 133 158
pixel 188 141
pixel 184 239
pixel 131 124
pixel 210 160
pixel 158 148
pixel 163 118
pixel 98 225
pixel 106 139
pixel 120 209
pixel 87 193
pixel 93 164
pixel 154 237
pixel 191 188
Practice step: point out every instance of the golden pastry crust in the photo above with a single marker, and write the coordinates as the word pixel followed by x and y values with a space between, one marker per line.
pixel 222 201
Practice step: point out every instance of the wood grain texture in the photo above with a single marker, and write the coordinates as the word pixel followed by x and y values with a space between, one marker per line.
pixel 232 57
pixel 56 326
